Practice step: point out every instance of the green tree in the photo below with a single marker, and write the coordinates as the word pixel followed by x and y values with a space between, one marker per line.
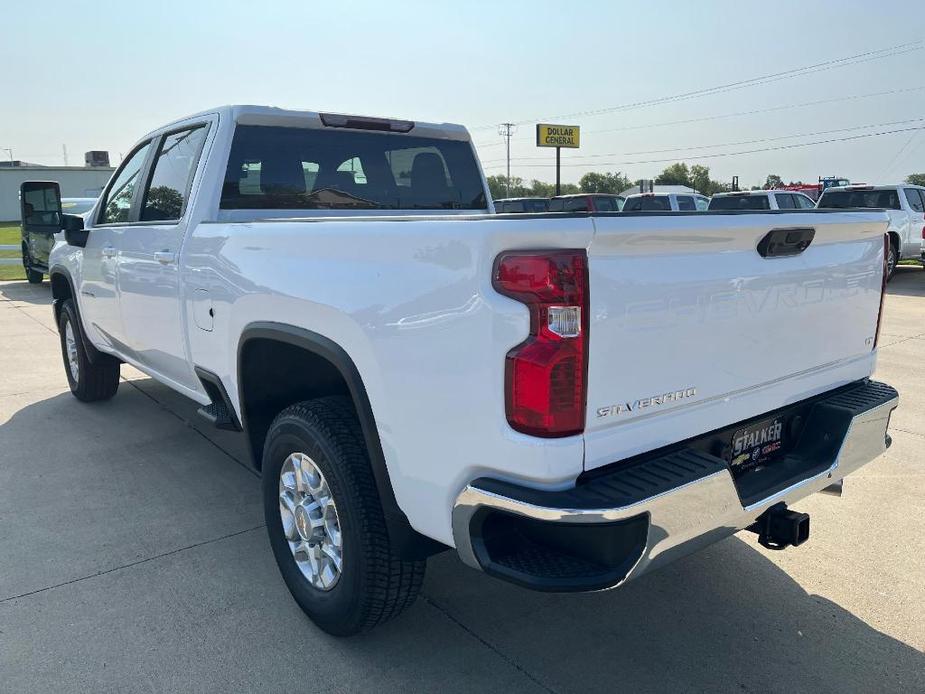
pixel 594 182
pixel 773 181
pixel 916 179
pixel 675 175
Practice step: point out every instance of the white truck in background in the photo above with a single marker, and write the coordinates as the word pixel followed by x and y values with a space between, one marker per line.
pixel 904 205
pixel 756 200
pixel 566 400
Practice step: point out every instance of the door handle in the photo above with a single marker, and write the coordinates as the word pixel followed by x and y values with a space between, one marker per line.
pixel 109 252
pixel 164 257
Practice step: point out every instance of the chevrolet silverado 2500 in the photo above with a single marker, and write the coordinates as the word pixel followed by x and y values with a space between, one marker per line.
pixel 567 400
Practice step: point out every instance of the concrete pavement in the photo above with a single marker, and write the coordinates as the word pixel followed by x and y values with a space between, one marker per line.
pixel 133 558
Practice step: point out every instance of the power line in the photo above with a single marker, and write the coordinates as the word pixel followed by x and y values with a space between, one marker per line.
pixel 736 114
pixel 737 154
pixel 727 144
pixel 878 54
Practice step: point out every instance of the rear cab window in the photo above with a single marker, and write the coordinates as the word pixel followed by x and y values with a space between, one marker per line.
pixel 871 199
pixel 273 167
pixel 740 202
pixel 686 203
pixel 647 202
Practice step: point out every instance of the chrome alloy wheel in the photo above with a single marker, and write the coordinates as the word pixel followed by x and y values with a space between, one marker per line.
pixel 310 521
pixel 70 344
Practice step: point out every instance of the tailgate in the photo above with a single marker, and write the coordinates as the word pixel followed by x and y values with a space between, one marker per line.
pixel 691 329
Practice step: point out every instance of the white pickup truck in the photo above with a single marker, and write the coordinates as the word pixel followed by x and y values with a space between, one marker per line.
pixel 567 400
pixel 904 205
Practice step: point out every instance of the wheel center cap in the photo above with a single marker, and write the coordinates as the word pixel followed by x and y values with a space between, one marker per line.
pixel 303 522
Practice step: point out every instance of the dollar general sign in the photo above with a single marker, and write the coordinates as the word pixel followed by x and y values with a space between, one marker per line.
pixel 557 135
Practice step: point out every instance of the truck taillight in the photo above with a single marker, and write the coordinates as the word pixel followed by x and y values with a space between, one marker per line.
pixel 886 252
pixel 546 374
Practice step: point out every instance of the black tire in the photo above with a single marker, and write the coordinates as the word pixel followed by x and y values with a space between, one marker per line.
pixel 93 382
pixel 374 585
pixel 32 276
pixel 891 260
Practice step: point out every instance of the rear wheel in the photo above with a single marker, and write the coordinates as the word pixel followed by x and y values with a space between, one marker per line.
pixel 891 258
pixel 325 521
pixel 33 276
pixel 88 381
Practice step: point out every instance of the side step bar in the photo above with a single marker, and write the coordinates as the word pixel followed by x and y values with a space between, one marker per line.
pixel 220 412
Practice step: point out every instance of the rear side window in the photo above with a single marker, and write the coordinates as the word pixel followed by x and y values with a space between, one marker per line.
pixel 323 168
pixel 914 198
pixel 118 203
pixel 785 201
pixel 535 205
pixel 871 199
pixel 740 202
pixel 686 203
pixel 165 198
pixel 556 205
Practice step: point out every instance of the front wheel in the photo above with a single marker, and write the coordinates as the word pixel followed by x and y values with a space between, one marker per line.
pixel 88 382
pixel 325 521
pixel 32 276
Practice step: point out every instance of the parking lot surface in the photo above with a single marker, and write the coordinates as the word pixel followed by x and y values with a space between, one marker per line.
pixel 133 558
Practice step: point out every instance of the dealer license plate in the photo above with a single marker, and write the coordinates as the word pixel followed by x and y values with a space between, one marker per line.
pixel 757 444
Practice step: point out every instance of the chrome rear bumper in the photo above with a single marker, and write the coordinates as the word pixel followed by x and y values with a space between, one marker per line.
pixel 703 507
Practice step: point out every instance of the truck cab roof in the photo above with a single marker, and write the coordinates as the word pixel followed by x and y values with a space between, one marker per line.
pixel 249 114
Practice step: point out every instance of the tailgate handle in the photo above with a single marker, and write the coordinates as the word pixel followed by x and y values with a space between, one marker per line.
pixel 779 243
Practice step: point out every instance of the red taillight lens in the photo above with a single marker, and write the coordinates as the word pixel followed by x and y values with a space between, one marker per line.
pixel 886 252
pixel 545 375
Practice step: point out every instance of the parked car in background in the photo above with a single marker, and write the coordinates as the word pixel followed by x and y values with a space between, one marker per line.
pixel 40 227
pixel 905 205
pixel 761 200
pixel 521 205
pixel 586 202
pixel 666 202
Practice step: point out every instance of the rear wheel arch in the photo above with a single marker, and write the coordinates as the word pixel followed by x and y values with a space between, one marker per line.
pixel 279 365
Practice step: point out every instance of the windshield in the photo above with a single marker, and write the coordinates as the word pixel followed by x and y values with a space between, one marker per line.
pixel 740 202
pixel 309 168
pixel 838 199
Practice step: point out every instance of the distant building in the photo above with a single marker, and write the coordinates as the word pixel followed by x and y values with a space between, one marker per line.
pixel 75 182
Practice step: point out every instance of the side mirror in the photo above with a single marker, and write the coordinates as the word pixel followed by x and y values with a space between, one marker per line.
pixel 74 232
pixel 40 206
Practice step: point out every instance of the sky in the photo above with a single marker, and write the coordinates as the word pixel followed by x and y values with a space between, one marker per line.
pixel 97 75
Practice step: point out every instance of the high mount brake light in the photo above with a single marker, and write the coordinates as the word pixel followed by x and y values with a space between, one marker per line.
pixel 886 252
pixel 339 120
pixel 545 379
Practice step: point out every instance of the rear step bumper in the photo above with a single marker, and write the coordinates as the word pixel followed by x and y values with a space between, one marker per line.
pixel 614 527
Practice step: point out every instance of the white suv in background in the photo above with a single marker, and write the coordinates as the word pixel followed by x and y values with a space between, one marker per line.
pixel 761 200
pixel 674 202
pixel 905 205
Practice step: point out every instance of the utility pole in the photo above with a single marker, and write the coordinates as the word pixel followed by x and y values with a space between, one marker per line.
pixel 505 130
pixel 64 151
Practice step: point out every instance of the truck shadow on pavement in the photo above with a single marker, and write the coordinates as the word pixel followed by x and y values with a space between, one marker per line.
pixel 908 280
pixel 726 619
pixel 25 292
